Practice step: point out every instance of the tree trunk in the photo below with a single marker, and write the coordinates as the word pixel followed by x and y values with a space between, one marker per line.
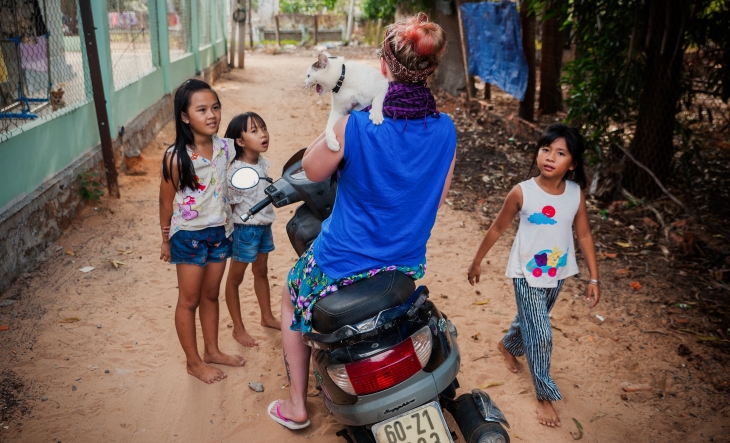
pixel 652 142
pixel 553 38
pixel 527 22
pixel 449 77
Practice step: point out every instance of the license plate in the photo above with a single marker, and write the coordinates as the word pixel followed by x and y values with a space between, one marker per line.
pixel 424 424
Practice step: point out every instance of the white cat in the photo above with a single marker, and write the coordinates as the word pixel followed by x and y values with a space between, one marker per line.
pixel 353 85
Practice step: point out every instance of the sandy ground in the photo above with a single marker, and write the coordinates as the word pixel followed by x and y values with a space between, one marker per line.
pixel 119 375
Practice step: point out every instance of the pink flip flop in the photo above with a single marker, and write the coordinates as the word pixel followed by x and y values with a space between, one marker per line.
pixel 293 425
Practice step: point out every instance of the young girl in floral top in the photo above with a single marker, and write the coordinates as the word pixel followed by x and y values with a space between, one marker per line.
pixel 194 207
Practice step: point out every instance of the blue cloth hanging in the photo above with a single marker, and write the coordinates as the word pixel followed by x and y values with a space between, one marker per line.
pixel 494 45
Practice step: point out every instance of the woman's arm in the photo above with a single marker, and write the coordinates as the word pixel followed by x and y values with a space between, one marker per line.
pixel 585 240
pixel 167 196
pixel 319 161
pixel 510 208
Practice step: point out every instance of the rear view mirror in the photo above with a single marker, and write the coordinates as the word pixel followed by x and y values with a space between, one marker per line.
pixel 245 178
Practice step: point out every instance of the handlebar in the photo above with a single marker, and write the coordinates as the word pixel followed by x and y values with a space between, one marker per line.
pixel 257 208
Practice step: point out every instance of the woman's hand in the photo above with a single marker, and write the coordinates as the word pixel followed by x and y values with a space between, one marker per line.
pixel 475 271
pixel 593 294
pixel 165 251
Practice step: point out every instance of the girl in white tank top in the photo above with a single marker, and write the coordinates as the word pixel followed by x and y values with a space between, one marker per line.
pixel 543 255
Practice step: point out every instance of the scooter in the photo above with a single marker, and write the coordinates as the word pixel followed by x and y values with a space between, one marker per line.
pixel 385 358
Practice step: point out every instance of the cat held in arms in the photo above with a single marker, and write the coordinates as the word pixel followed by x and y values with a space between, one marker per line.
pixel 354 86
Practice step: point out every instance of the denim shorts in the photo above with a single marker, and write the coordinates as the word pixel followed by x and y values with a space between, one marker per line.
pixel 251 240
pixel 208 245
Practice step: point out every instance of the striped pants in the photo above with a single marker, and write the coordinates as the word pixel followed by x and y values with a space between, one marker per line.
pixel 531 334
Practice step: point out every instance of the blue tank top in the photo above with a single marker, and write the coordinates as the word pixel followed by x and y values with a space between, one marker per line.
pixel 388 194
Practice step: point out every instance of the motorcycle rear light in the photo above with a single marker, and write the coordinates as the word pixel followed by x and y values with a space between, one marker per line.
pixel 386 369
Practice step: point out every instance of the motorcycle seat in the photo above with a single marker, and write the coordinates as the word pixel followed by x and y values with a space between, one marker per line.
pixel 361 300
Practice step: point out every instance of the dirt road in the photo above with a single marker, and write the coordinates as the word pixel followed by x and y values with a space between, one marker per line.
pixel 118 373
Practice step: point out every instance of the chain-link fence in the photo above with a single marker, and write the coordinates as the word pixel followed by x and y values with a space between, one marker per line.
pixel 178 28
pixel 130 40
pixel 204 31
pixel 43 69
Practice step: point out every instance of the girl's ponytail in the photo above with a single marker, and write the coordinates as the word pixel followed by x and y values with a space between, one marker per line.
pixel 183 137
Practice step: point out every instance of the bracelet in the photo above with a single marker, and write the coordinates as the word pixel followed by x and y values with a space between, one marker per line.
pixel 593 282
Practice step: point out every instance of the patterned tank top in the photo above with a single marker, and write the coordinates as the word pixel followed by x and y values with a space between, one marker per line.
pixel 543 251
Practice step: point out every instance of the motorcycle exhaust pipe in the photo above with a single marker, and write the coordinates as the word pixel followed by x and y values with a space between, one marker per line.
pixel 473 426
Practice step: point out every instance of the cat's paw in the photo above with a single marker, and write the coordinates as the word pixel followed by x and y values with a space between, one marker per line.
pixel 376 116
pixel 332 142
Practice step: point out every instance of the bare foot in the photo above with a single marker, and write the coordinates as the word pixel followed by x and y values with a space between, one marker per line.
pixel 205 372
pixel 510 360
pixel 271 323
pixel 244 338
pixel 546 414
pixel 224 359
pixel 290 412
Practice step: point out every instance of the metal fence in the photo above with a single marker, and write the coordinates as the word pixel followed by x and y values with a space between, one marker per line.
pixel 178 28
pixel 130 41
pixel 47 107
pixel 204 30
pixel 43 70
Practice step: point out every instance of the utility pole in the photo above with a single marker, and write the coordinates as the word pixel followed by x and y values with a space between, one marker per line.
pixel 241 37
pixel 97 86
pixel 232 40
pixel 349 21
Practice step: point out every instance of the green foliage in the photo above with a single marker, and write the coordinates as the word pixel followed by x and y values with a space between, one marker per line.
pixel 283 42
pixel 386 9
pixel 608 72
pixel 307 6
pixel 90 187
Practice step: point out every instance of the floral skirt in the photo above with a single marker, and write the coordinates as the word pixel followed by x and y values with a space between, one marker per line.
pixel 307 284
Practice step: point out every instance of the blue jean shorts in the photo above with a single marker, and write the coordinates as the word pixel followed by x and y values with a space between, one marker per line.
pixel 251 240
pixel 208 245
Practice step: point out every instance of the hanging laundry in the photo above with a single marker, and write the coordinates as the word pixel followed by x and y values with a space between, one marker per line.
pixel 494 45
pixel 34 56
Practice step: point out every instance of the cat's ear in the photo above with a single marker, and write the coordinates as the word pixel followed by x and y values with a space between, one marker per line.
pixel 322 61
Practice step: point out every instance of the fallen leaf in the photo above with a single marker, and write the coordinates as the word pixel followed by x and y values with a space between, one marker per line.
pixel 623 244
pixel 124 251
pixel 476 336
pixel 116 263
pixel 664 249
pixel 556 328
pixel 87 269
pixel 70 252
pixel 70 320
pixel 489 384
pixel 504 331
pixel 623 272
pixel 482 302
pixel 590 338
pixel 636 285
pixel 4 327
pixel 580 430
pixel 610 254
